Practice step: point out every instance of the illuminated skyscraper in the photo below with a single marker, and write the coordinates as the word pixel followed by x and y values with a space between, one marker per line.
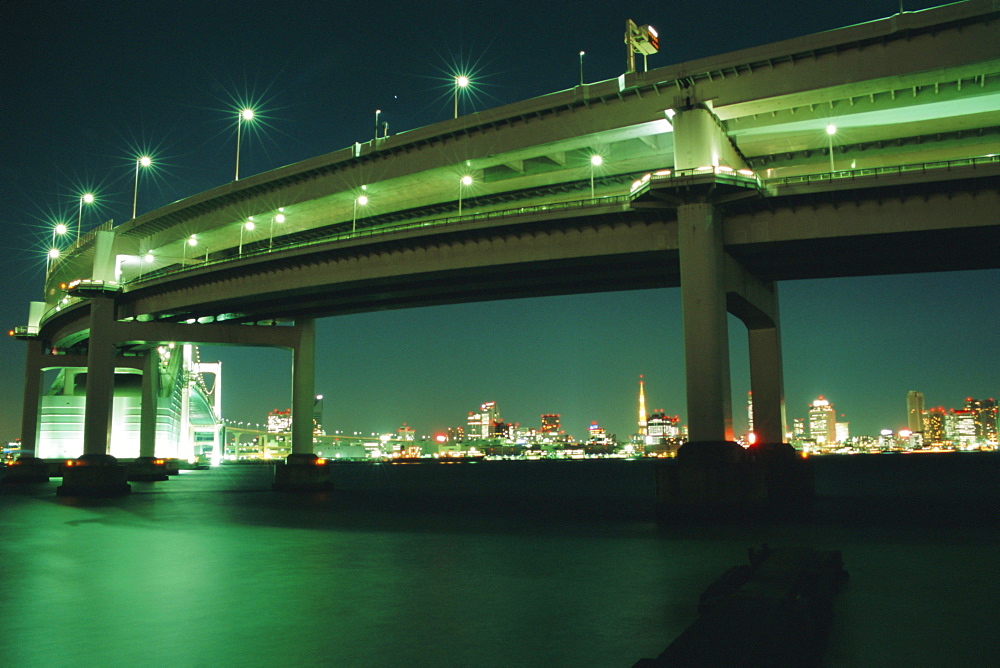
pixel 749 413
pixel 934 424
pixel 550 423
pixel 481 423
pixel 661 426
pixel 279 422
pixel 985 418
pixel 822 422
pixel 915 411
pixel 643 430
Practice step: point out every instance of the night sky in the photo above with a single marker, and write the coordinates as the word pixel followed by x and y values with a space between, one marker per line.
pixel 88 86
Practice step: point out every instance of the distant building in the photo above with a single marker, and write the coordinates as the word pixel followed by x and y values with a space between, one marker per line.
pixel 481 424
pixel 915 411
pixel 934 426
pixel 749 413
pixel 662 427
pixel 960 427
pixel 843 431
pixel 551 424
pixel 279 421
pixel 799 429
pixel 985 416
pixel 822 422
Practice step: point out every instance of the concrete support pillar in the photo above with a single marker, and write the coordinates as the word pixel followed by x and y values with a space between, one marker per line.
pixel 100 377
pixel 303 387
pixel 706 333
pixel 303 471
pixel 146 467
pixel 150 392
pixel 767 385
pixel 32 398
pixel 96 473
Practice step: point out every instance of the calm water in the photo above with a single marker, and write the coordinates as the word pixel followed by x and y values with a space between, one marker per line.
pixel 490 564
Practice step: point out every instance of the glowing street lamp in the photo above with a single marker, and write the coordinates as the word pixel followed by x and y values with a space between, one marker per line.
pixel 463 182
pixel 831 130
pixel 249 227
pixel 143 161
pixel 595 162
pixel 461 81
pixel 86 198
pixel 278 218
pixel 361 200
pixel 50 257
pixel 377 112
pixel 244 115
pixel 144 260
pixel 60 229
pixel 191 241
pixel 581 68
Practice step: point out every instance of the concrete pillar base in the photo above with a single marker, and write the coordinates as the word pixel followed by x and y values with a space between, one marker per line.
pixel 26 469
pixel 302 473
pixel 94 475
pixel 720 480
pixel 147 469
pixel 788 477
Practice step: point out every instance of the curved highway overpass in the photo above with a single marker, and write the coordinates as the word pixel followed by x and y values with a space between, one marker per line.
pixel 864 150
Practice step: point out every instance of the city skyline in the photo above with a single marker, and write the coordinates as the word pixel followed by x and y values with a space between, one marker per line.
pixel 862 342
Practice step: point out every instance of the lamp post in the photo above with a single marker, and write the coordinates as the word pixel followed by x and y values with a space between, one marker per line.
pixel 86 198
pixel 831 130
pixel 461 81
pixel 595 162
pixel 143 161
pixel 377 112
pixel 362 200
pixel 581 68
pixel 279 218
pixel 249 227
pixel 244 115
pixel 464 181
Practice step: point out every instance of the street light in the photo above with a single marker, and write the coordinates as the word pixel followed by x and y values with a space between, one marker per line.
pixel 60 229
pixel 279 218
pixel 146 259
pixel 464 181
pixel 50 257
pixel 377 112
pixel 143 161
pixel 581 68
pixel 461 81
pixel 831 130
pixel 86 198
pixel 249 227
pixel 362 200
pixel 595 162
pixel 191 241
pixel 244 115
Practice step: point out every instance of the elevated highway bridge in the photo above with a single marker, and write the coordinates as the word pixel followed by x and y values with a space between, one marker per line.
pixel 869 149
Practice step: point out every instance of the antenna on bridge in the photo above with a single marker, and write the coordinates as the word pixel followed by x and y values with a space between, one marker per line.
pixel 640 39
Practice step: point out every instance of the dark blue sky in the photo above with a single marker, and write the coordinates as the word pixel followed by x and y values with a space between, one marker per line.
pixel 86 85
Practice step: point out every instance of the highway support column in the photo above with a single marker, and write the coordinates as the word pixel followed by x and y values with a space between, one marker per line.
pixel 28 467
pixel 146 467
pixel 95 472
pixel 302 470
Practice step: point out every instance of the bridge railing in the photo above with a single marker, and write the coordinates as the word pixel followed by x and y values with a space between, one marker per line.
pixel 892 170
pixel 366 232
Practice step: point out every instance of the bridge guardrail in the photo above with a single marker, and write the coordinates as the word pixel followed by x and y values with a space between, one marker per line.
pixel 894 170
pixel 398 227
